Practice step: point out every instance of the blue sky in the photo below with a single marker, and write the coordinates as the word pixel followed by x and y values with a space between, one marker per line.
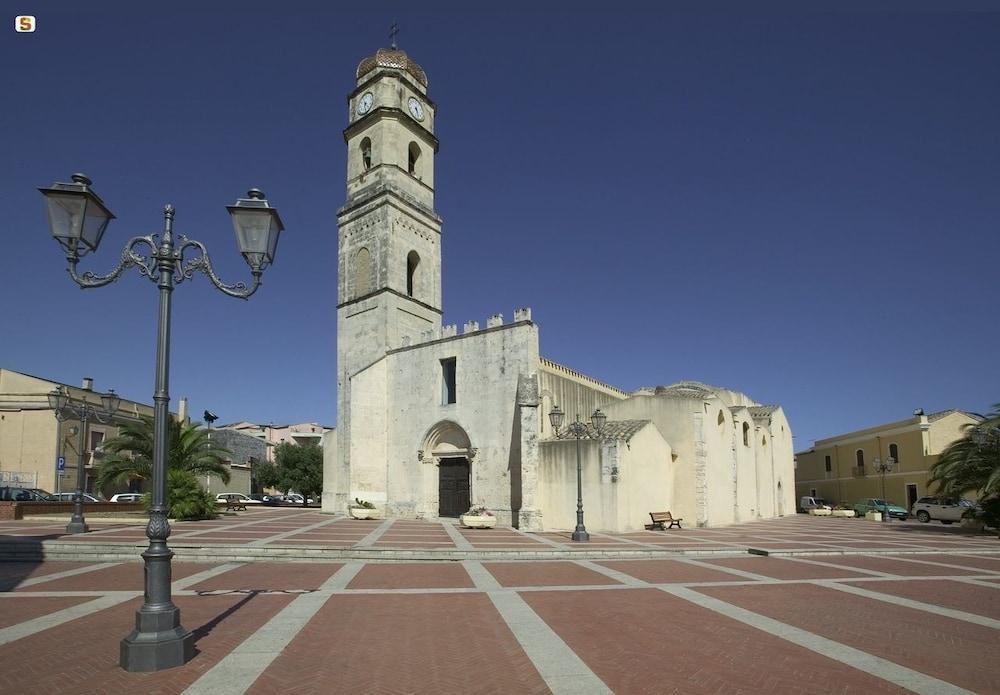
pixel 802 206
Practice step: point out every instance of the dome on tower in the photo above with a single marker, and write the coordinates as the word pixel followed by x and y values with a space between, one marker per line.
pixel 392 58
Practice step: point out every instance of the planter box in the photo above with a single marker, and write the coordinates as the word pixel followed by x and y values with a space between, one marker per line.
pixel 478 521
pixel 819 512
pixel 846 513
pixel 873 516
pixel 977 524
pixel 362 513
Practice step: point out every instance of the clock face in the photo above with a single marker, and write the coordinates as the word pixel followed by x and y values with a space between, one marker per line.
pixel 416 108
pixel 365 103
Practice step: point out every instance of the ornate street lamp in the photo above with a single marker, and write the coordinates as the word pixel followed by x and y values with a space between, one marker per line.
pixel 77 219
pixel 579 430
pixel 884 467
pixel 64 408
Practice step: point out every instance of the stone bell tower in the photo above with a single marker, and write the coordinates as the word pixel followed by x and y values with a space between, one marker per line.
pixel 389 250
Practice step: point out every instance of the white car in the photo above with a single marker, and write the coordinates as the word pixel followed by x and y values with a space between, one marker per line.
pixel 126 497
pixel 945 509
pixel 238 497
pixel 68 497
pixel 296 498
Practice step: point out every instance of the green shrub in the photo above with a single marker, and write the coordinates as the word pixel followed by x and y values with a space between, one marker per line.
pixel 187 500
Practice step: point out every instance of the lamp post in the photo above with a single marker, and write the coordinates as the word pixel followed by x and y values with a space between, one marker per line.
pixel 579 430
pixel 61 403
pixel 77 220
pixel 884 467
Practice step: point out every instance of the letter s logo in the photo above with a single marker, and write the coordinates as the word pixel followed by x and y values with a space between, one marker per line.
pixel 24 23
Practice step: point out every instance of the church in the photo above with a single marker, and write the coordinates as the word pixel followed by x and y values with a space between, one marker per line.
pixel 432 420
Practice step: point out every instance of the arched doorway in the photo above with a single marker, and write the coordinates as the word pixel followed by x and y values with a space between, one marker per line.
pixel 447 446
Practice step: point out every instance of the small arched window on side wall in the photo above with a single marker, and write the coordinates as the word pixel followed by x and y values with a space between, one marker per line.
pixel 746 434
pixel 366 154
pixel 894 452
pixel 412 158
pixel 859 456
pixel 362 275
pixel 721 422
pixel 412 261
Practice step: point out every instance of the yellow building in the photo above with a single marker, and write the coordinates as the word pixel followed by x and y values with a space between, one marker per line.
pixel 845 468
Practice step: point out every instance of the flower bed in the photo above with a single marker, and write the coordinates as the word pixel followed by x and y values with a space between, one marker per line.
pixel 478 517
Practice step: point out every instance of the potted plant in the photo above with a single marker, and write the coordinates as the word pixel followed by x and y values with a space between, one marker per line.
pixel 973 518
pixel 842 511
pixel 478 517
pixel 361 509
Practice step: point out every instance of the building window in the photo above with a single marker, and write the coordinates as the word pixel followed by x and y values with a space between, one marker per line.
pixel 860 456
pixel 894 452
pixel 746 434
pixel 829 464
pixel 448 391
pixel 412 261
pixel 96 439
pixel 763 440
pixel 414 155
pixel 721 422
pixel 366 154
pixel 363 272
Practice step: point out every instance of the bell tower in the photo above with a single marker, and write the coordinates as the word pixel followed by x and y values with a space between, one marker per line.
pixel 389 244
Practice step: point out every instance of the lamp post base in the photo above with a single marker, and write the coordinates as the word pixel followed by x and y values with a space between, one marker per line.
pixel 580 534
pixel 77 526
pixel 150 649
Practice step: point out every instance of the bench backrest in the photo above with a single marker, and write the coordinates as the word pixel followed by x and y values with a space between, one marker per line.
pixel 661 516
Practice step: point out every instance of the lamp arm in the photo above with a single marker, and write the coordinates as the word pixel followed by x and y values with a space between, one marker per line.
pixel 186 270
pixel 130 257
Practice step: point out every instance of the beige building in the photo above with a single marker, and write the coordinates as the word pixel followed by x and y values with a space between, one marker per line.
pixel 272 435
pixel 432 420
pixel 32 439
pixel 844 469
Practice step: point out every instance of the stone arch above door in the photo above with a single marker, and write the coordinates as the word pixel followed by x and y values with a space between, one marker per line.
pixel 446 439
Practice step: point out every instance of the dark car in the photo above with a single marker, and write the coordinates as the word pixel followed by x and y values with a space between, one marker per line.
pixel 25 494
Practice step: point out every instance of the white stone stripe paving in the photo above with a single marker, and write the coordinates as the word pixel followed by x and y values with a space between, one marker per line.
pixel 850 568
pixel 563 671
pixel 36 625
pixel 910 603
pixel 538 538
pixel 193 579
pixel 626 579
pixel 217 527
pixel 730 570
pixel 238 670
pixel 460 541
pixel 863 661
pixel 375 534
pixel 293 532
pixel 938 563
pixel 66 573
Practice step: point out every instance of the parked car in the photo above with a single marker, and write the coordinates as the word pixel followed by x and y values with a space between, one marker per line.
pixel 873 504
pixel 947 510
pixel 296 498
pixel 126 497
pixel 806 503
pixel 25 494
pixel 225 497
pixel 68 497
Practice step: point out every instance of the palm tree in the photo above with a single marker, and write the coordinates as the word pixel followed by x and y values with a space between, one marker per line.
pixel 188 449
pixel 972 463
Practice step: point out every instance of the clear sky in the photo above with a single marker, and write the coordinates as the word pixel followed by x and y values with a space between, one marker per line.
pixel 801 206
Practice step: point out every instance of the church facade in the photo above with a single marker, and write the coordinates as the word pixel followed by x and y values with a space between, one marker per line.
pixel 432 419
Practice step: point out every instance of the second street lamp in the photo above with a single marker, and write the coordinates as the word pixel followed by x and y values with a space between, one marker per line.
pixel 884 467
pixel 65 407
pixel 579 430
pixel 77 220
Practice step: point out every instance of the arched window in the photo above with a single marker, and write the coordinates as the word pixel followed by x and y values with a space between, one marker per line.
pixel 763 440
pixel 363 279
pixel 366 154
pixel 721 422
pixel 412 261
pixel 894 452
pixel 746 434
pixel 860 456
pixel 414 155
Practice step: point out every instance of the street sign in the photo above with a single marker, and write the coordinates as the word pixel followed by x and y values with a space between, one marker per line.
pixel 61 463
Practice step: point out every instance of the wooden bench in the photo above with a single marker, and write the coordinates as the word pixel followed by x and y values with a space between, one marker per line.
pixel 235 506
pixel 660 518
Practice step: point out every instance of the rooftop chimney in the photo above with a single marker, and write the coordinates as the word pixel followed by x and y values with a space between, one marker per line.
pixel 88 383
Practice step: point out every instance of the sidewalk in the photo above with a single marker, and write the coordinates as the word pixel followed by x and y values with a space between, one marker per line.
pixel 726 622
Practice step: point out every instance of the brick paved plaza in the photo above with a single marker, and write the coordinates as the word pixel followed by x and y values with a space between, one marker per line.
pixel 291 600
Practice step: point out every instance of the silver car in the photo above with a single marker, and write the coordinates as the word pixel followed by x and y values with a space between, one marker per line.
pixel 947 510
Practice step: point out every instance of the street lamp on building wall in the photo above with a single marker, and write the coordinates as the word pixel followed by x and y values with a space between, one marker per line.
pixel 883 467
pixel 64 408
pixel 77 220
pixel 579 430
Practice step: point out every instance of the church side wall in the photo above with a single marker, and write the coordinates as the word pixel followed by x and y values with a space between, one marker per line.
pixel 784 463
pixel 575 395
pixel 368 475
pixel 330 471
pixel 645 479
pixel 746 468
